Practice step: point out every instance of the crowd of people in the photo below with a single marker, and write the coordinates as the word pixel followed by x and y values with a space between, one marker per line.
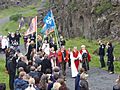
pixel 43 66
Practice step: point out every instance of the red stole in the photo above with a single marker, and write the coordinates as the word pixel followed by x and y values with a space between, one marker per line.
pixel 75 55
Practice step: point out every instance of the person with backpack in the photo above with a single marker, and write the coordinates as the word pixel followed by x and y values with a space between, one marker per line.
pixel 117 85
pixel 81 80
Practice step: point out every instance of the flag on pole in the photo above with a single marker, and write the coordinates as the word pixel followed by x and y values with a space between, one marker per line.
pixel 33 26
pixel 49 24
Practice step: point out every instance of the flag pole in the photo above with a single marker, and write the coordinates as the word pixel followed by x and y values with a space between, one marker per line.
pixel 56 32
pixel 36 33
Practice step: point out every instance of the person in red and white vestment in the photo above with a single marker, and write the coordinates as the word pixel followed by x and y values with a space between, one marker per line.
pixel 53 57
pixel 75 61
pixel 86 58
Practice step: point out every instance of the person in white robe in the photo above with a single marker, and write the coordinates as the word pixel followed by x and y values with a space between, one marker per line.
pixel 75 62
pixel 46 47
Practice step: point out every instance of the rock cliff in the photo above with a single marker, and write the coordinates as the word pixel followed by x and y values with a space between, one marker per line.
pixel 91 19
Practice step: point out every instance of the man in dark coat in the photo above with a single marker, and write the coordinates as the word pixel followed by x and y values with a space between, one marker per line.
pixel 21 63
pixel 110 58
pixel 46 64
pixel 11 64
pixel 17 37
pixel 77 79
pixel 102 53
pixel 32 72
pixel 30 48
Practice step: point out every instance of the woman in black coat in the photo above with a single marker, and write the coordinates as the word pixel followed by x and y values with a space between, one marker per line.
pixel 46 64
pixel 110 58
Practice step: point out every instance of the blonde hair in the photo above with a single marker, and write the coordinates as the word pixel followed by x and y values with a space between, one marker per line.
pixel 56 86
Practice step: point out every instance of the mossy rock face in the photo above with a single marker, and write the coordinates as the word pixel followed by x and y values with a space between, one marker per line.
pixel 104 6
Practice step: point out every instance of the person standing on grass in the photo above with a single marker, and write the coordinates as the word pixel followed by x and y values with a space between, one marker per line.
pixel 11 63
pixel 102 53
pixel 110 56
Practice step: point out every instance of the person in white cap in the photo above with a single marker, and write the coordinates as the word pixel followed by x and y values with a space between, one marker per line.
pixel 86 58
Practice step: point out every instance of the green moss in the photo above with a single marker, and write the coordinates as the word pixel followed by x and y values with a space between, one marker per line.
pixel 104 5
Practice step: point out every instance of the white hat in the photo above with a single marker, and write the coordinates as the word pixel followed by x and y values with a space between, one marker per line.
pixel 82 46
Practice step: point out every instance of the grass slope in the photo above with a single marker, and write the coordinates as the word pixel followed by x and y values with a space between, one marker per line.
pixel 3 76
pixel 15 10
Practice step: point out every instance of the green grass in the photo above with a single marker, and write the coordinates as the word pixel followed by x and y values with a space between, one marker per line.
pixel 15 10
pixel 3 76
pixel 8 27
pixel 92 46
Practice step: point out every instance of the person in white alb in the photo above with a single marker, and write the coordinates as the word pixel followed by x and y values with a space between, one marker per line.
pixel 75 61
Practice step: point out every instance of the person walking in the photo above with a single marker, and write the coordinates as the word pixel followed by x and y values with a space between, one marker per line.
pixel 62 59
pixel 75 61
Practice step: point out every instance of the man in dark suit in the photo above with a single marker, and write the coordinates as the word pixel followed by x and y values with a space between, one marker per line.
pixel 102 53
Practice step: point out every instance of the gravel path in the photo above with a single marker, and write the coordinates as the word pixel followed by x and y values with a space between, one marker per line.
pixel 98 79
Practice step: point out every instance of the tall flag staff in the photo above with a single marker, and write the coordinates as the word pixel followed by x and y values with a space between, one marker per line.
pixel 36 31
pixel 49 25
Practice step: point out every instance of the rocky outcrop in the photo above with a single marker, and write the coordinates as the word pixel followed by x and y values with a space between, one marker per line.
pixel 4 4
pixel 91 19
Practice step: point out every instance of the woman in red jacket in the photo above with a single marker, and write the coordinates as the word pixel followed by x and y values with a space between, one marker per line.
pixel 63 57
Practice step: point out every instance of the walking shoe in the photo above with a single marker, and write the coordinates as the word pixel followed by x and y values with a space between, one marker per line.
pixel 111 72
